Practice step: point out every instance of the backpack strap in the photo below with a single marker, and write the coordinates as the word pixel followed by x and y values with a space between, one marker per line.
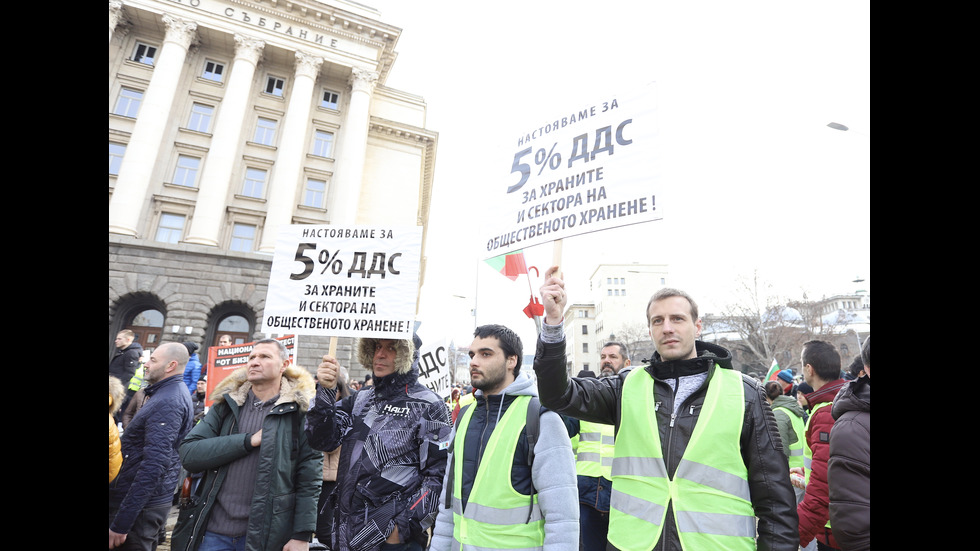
pixel 532 428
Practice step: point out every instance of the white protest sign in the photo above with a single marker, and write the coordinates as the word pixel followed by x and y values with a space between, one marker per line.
pixel 356 281
pixel 434 368
pixel 590 168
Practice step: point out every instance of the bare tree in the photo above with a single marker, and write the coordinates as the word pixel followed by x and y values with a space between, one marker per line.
pixel 757 325
pixel 636 337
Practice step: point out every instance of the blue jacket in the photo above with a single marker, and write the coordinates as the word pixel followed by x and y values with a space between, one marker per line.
pixel 151 465
pixel 192 373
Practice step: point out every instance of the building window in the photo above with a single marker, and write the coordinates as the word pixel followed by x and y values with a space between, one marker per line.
pixel 275 86
pixel 200 118
pixel 585 329
pixel 144 53
pixel 585 347
pixel 186 172
pixel 116 152
pixel 243 238
pixel 609 292
pixel 171 228
pixel 213 71
pixel 315 193
pixel 322 143
pixel 329 99
pixel 265 132
pixel 254 182
pixel 128 102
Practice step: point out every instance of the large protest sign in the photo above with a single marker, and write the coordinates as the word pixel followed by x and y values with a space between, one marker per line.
pixel 222 360
pixel 586 169
pixel 434 368
pixel 344 281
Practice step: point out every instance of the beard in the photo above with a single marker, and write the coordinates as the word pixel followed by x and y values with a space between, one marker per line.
pixel 490 380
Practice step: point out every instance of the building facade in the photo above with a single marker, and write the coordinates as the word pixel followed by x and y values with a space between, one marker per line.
pixel 581 350
pixel 229 119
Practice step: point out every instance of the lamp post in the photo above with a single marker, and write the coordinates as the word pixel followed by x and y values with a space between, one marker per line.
pixel 857 279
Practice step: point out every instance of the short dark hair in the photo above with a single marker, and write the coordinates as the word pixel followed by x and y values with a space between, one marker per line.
pixel 623 350
pixel 774 389
pixel 824 358
pixel 866 351
pixel 510 343
pixel 665 293
pixel 283 353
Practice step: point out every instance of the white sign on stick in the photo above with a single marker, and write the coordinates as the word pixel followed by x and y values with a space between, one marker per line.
pixel 434 368
pixel 589 168
pixel 355 281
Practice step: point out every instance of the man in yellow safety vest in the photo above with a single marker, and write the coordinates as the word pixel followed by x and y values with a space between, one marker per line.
pixel 698 463
pixel 507 485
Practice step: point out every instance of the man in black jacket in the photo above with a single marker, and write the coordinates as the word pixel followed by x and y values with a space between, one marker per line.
pixel 141 496
pixel 688 390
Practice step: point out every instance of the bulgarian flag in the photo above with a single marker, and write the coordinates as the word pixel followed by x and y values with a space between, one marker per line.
pixel 511 264
pixel 773 371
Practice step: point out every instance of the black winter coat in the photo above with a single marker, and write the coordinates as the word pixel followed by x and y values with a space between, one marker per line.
pixel 849 468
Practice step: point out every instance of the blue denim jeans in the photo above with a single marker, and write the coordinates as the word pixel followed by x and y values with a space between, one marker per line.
pixel 593 526
pixel 218 542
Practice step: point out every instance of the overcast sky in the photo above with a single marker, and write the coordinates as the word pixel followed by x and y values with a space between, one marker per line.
pixel 754 178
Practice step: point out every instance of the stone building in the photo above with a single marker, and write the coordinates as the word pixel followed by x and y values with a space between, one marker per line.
pixel 229 119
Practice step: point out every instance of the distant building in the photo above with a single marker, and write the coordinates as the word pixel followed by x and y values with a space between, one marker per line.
pixel 229 119
pixel 581 350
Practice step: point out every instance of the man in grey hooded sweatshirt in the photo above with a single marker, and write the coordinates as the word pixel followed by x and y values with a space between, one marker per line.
pixel 492 498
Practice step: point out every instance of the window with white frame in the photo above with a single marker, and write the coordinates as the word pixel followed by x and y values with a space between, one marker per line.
pixel 254 185
pixel 128 102
pixel 213 71
pixel 315 193
pixel 275 86
pixel 116 152
pixel 265 132
pixel 242 237
pixel 171 228
pixel 186 172
pixel 329 99
pixel 201 116
pixel 322 143
pixel 144 53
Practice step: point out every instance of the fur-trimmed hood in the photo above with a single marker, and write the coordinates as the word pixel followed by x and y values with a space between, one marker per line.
pixel 405 354
pixel 298 385
pixel 117 393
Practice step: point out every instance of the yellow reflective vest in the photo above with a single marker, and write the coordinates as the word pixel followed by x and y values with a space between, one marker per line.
pixel 796 448
pixel 496 515
pixel 709 491
pixel 596 446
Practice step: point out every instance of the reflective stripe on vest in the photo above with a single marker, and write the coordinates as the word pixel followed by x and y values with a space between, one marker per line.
pixel 795 449
pixel 136 382
pixel 709 490
pixel 596 446
pixel 496 515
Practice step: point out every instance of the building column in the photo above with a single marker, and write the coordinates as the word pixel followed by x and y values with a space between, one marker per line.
pixel 115 15
pixel 221 161
pixel 136 169
pixel 292 151
pixel 345 187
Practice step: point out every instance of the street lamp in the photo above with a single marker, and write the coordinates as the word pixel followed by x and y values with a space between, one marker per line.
pixel 837 126
pixel 857 279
